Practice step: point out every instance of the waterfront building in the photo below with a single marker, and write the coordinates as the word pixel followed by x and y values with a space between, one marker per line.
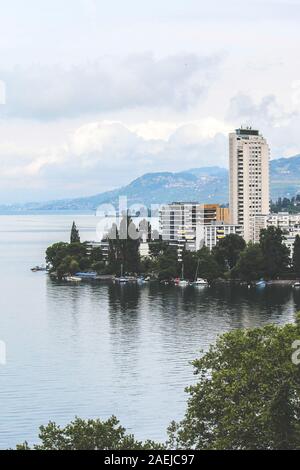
pixel 249 156
pixel 288 223
pixel 209 235
pixel 179 222
pixel 104 245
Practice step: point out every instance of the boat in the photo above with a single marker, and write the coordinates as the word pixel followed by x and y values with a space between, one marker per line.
pixel 183 282
pixel 200 282
pixel 296 285
pixel 38 269
pixel 87 276
pixel 261 283
pixel 73 279
pixel 122 279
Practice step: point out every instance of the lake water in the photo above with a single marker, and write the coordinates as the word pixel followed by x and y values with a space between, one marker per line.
pixel 97 350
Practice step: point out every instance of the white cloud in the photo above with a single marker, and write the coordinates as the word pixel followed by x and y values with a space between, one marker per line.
pixel 268 112
pixel 99 149
pixel 110 83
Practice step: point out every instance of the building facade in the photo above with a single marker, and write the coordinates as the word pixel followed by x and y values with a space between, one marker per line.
pixel 288 223
pixel 249 156
pixel 209 235
pixel 179 222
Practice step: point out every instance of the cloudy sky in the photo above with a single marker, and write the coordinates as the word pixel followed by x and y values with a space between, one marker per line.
pixel 97 93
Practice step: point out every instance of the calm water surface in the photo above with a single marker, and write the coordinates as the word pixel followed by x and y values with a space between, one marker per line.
pixel 98 350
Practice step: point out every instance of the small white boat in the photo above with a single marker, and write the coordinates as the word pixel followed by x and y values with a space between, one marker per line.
pixel 296 285
pixel 201 282
pixel 122 279
pixel 183 282
pixel 73 279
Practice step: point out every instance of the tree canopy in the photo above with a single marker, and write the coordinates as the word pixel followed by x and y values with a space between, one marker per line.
pixel 275 252
pixel 250 265
pixel 296 256
pixel 247 395
pixel 88 435
pixel 74 237
pixel 228 250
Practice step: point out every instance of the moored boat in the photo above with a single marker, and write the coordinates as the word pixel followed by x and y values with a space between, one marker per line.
pixel 38 269
pixel 73 279
pixel 200 282
pixel 261 283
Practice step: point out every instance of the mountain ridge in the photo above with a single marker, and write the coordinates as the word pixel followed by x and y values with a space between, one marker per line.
pixel 204 184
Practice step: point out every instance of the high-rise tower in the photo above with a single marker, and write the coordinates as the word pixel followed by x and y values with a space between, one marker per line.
pixel 249 156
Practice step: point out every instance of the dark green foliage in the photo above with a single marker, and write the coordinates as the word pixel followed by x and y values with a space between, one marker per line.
pixel 200 264
pixel 124 248
pixel 157 247
pixel 228 250
pixel 247 395
pixel 275 253
pixel 68 258
pixel 284 204
pixel 168 265
pixel 88 435
pixel 74 238
pixel 250 265
pixel 296 256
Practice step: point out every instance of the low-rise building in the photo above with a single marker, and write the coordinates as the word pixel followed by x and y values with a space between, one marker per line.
pixel 104 245
pixel 288 223
pixel 209 235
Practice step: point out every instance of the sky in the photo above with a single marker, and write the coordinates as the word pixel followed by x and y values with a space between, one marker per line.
pixel 94 93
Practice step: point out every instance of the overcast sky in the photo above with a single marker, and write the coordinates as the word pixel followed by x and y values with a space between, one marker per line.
pixel 100 92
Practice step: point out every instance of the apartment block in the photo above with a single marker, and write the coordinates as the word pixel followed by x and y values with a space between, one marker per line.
pixel 179 222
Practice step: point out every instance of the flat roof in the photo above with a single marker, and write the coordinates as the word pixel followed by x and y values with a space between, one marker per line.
pixel 247 131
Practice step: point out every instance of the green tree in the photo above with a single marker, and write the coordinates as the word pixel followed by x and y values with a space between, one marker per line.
pixel 60 255
pixel 74 238
pixel 157 247
pixel 168 265
pixel 88 435
pixel 190 262
pixel 56 253
pixel 296 256
pixel 247 395
pixel 275 253
pixel 208 267
pixel 124 244
pixel 228 250
pixel 250 266
pixel 68 265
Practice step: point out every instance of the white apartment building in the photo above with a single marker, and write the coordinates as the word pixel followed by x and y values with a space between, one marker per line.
pixel 288 223
pixel 179 222
pixel 249 156
pixel 210 234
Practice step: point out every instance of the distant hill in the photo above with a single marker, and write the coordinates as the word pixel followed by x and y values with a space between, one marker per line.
pixel 197 184
pixel 285 177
